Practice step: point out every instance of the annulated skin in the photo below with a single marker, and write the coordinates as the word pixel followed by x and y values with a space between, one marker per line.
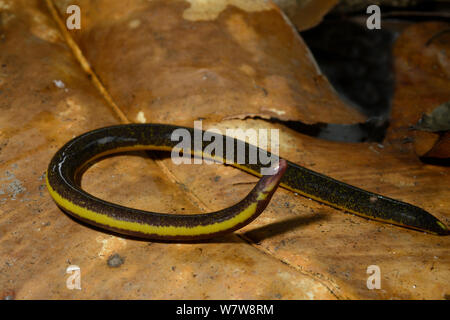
pixel 68 163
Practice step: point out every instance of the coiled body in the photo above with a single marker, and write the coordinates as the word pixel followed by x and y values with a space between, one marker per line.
pixel 67 165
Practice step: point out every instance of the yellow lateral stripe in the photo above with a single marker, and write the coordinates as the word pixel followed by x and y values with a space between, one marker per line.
pixel 150 229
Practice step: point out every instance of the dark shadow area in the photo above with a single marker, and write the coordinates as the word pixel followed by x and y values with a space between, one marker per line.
pixel 357 62
pixel 444 162
pixel 271 230
pixel 373 130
